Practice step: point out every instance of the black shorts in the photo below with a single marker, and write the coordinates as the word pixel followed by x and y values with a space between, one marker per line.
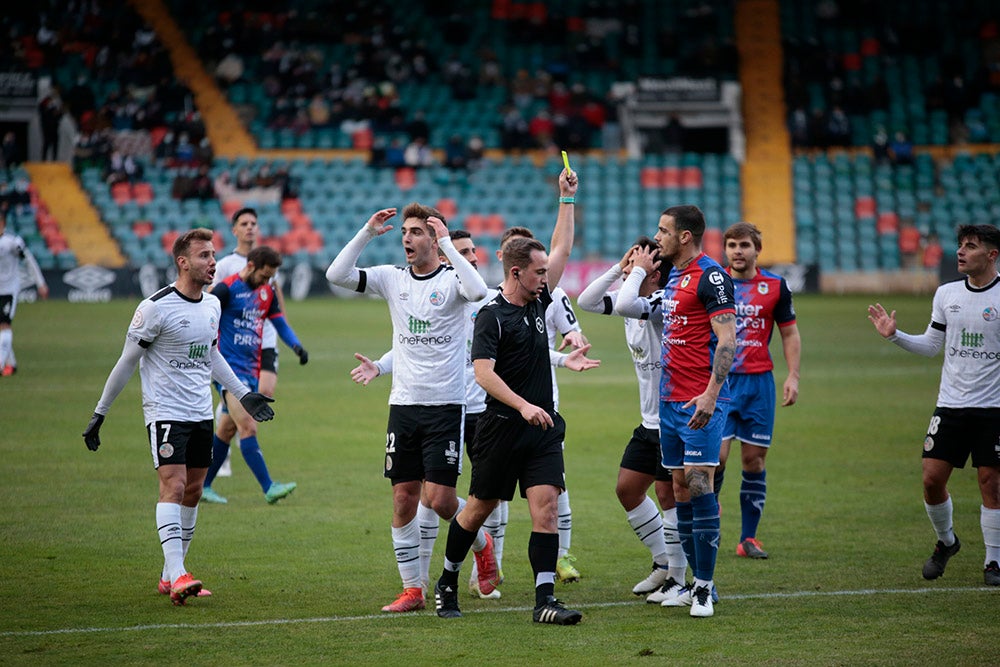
pixel 269 360
pixel 471 420
pixel 642 454
pixel 509 452
pixel 955 433
pixel 6 308
pixel 181 443
pixel 424 442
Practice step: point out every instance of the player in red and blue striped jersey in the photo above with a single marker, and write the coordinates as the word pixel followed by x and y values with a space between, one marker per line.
pixel 763 301
pixel 248 299
pixel 698 347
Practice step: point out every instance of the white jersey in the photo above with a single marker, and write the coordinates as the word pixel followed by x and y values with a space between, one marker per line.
pixel 234 263
pixel 176 368
pixel 475 396
pixel 559 318
pixel 12 251
pixel 970 320
pixel 429 332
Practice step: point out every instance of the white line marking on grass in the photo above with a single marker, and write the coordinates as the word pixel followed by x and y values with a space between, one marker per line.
pixel 387 616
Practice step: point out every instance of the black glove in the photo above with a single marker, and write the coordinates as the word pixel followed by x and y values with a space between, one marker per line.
pixel 92 434
pixel 303 355
pixel 256 405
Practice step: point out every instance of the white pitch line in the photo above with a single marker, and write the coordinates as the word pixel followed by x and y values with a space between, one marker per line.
pixel 384 617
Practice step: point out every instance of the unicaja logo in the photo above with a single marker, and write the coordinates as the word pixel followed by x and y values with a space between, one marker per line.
pixel 972 339
pixel 419 326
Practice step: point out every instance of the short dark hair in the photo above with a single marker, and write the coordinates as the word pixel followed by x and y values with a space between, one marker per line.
pixel 988 235
pixel 741 230
pixel 689 218
pixel 518 251
pixel 421 211
pixel 456 234
pixel 242 211
pixel 264 255
pixel 515 231
pixel 184 241
pixel 647 243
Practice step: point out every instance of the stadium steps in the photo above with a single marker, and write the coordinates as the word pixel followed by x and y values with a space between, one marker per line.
pixel 78 220
pixel 228 136
pixel 766 177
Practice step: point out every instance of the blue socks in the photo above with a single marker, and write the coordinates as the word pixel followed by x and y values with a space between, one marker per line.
pixel 705 535
pixel 753 491
pixel 685 514
pixel 255 459
pixel 220 448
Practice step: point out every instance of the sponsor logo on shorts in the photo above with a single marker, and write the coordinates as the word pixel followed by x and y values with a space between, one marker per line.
pixel 451 454
pixel 928 444
pixel 166 450
pixel 691 452
pixel 760 436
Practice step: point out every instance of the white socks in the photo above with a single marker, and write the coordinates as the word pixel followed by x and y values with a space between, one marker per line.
pixel 406 542
pixel 647 524
pixel 168 525
pixel 565 522
pixel 429 522
pixel 940 516
pixel 989 520
pixel 676 559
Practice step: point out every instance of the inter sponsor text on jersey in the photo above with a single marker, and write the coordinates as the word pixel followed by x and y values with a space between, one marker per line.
pixel 428 333
pixel 691 297
pixel 970 319
pixel 761 302
pixel 234 263
pixel 242 324
pixel 177 334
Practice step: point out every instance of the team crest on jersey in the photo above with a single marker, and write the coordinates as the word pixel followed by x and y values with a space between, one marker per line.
pixel 990 314
pixel 166 450
pixel 262 292
pixel 539 324
pixel 137 319
pixel 685 280
pixel 436 298
pixel 762 288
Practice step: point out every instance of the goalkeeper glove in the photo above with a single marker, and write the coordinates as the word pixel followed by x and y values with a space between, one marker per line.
pixel 92 434
pixel 256 405
pixel 303 355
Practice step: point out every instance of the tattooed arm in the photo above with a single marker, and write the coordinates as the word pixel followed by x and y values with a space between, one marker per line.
pixel 724 326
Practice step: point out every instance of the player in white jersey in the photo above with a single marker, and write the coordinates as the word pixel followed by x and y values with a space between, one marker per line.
pixel 12 251
pixel 559 317
pixel 965 321
pixel 172 339
pixel 427 303
pixel 641 465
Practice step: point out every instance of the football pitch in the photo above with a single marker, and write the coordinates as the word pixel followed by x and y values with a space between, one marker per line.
pixel 302 582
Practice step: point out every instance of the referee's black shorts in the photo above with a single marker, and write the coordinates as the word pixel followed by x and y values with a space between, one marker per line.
pixel 509 451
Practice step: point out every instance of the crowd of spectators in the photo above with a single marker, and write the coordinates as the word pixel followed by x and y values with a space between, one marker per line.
pixel 849 90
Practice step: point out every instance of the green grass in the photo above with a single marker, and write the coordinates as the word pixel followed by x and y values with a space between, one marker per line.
pixel 302 582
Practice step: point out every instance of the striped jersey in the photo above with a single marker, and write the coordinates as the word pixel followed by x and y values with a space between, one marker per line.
pixel 691 298
pixel 242 323
pixel 761 302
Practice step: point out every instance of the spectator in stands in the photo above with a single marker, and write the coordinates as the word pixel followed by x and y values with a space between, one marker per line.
pixel 123 167
pixel 418 127
pixel 9 154
pixel 514 133
pixel 80 98
pixel 475 152
pixel 909 244
pixel 50 111
pixel 542 129
pixel 880 145
pixel 230 69
pixel 418 154
pixel 455 153
pixel 838 128
pixel 901 149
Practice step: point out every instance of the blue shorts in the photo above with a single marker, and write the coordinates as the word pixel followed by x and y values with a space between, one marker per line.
pixel 250 382
pixel 682 446
pixel 751 408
